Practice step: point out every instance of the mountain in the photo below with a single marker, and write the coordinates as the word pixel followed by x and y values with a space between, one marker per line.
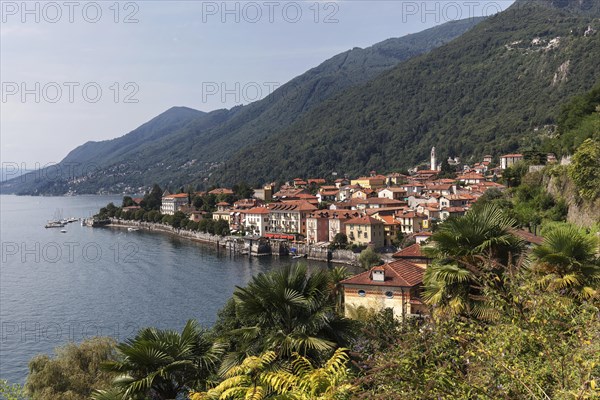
pixel 495 89
pixel 183 145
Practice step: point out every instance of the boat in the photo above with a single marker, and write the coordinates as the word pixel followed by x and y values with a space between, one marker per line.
pixel 133 229
pixel 54 224
pixel 297 256
pixel 63 231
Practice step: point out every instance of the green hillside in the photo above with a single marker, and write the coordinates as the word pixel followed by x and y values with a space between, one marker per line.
pixel 498 84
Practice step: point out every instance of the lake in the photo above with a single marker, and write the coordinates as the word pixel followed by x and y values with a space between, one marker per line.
pixel 59 287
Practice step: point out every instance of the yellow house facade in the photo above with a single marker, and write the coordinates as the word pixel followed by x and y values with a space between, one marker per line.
pixel 365 231
pixel 395 285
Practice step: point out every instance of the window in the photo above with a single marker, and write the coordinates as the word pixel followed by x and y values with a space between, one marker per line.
pixel 389 294
pixel 362 293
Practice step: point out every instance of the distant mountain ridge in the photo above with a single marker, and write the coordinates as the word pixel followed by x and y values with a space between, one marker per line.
pixel 183 146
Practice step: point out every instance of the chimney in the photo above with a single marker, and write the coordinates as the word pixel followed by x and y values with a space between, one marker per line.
pixel 378 273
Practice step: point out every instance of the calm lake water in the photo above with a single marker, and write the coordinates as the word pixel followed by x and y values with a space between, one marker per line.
pixel 59 287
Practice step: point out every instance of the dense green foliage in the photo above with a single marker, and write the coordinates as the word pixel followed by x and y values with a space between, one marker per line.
pixel 73 373
pixel 161 364
pixel 10 391
pixel 585 169
pixel 578 120
pixel 289 310
pixel 473 255
pixel 368 258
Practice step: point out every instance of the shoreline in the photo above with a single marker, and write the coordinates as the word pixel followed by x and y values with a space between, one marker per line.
pixel 200 237
pixel 238 245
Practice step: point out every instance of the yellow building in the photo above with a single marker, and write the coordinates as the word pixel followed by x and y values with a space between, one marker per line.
pixel 365 231
pixel 396 285
pixel 370 182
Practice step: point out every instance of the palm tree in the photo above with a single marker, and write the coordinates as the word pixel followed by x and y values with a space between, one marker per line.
pixel 472 256
pixel 260 377
pixel 337 274
pixel 293 310
pixel 163 363
pixel 567 263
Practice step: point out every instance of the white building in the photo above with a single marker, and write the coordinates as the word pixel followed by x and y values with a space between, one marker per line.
pixel 508 160
pixel 172 202
pixel 256 220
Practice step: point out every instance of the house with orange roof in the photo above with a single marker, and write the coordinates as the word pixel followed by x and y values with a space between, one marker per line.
pixel 256 220
pixel 337 221
pixel 316 181
pixel 300 183
pixel 509 160
pixel 448 212
pixel 373 181
pixel 317 227
pixel 392 193
pixel 340 182
pixel 365 231
pixel 439 188
pixel 396 178
pixel 391 226
pixel 411 221
pixel 290 193
pixel 471 178
pixel 171 203
pixel 395 285
pixel 422 237
pixel 456 200
pixel 413 254
pixel 413 188
pixel 289 216
pixel 327 194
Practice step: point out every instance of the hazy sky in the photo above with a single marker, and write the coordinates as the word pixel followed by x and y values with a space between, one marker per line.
pixel 76 71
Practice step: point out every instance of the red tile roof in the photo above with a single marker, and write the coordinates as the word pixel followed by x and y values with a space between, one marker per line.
pixel 400 273
pixel 257 210
pixel 365 220
pixel 292 205
pixel 409 252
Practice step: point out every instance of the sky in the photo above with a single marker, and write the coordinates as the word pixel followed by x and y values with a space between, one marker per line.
pixel 78 71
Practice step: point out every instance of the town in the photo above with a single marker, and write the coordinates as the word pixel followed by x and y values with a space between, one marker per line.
pixel 391 216
pixel 374 210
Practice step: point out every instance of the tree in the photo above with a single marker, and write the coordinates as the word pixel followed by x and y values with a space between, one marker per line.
pixel 369 258
pixel 153 200
pixel 585 169
pixel 73 373
pixel 472 255
pixel 512 175
pixel 243 190
pixel 340 241
pixel 566 263
pixel 261 377
pixel 293 312
pixel 127 201
pixel 178 219
pixel 163 363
